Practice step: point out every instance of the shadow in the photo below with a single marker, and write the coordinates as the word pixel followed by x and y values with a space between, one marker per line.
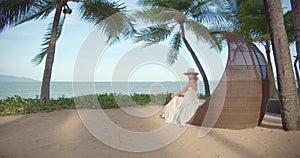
pixel 12 120
pixel 40 134
pixel 270 126
pixel 273 114
pixel 229 143
pixel 269 120
pixel 272 121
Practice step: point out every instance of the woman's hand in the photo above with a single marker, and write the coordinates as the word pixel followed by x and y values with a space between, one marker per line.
pixel 174 95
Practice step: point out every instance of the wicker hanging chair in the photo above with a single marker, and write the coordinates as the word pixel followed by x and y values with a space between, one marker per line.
pixel 241 97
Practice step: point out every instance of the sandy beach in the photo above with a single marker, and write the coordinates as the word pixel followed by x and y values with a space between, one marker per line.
pixel 62 134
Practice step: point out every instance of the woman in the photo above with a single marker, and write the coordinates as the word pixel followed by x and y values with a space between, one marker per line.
pixel 181 109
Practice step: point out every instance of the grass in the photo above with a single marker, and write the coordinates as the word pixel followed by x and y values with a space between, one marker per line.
pixel 17 105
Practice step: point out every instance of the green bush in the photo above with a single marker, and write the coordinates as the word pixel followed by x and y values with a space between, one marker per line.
pixel 141 99
pixel 202 96
pixel 87 101
pixel 161 99
pixel 107 101
pixel 124 100
pixel 17 105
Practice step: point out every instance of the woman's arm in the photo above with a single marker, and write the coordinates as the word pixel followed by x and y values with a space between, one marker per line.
pixel 183 90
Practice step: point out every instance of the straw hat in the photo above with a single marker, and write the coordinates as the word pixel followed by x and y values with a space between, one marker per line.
pixel 191 71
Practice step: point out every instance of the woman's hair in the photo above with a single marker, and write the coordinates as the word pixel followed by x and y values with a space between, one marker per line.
pixel 196 77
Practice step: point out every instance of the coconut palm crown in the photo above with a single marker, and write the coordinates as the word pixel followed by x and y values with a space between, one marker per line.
pixel 108 16
pixel 171 19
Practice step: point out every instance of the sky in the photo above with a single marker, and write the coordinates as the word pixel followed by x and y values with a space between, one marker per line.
pixel 18 45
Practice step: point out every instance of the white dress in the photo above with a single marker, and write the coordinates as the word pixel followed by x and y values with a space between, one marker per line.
pixel 180 110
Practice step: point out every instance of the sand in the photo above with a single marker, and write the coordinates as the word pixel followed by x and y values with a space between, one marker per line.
pixel 62 134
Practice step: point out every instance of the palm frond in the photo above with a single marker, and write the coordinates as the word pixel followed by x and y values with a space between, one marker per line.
pixel 200 32
pixel 158 15
pixel 45 45
pixel 13 10
pixel 219 40
pixel 215 6
pixel 289 25
pixel 39 10
pixel 234 4
pixel 264 37
pixel 212 18
pixel 252 19
pixel 153 34
pixel 214 13
pixel 118 26
pixel 175 45
pixel 110 17
pixel 197 6
pixel 183 5
pixel 96 11
pixel 153 3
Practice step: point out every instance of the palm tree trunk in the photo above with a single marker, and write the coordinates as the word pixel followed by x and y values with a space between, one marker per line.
pixel 296 13
pixel 297 75
pixel 45 90
pixel 286 80
pixel 194 56
pixel 268 53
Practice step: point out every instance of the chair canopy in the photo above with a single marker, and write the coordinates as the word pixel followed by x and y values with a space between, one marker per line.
pixel 240 99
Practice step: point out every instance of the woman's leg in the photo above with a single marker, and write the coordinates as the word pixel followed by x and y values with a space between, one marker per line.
pixel 171 109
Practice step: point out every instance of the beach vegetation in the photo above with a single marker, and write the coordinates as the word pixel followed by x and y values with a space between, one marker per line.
pixel 17 105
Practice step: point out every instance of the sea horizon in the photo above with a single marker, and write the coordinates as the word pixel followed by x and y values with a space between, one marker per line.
pixel 65 88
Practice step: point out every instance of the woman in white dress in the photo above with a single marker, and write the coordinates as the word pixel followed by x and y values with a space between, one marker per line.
pixel 180 110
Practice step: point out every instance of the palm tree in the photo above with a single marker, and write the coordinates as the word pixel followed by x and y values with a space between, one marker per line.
pixel 287 86
pixel 15 12
pixel 252 24
pixel 297 74
pixel 181 16
pixel 296 13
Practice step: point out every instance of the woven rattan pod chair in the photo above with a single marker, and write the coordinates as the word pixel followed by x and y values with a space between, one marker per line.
pixel 240 99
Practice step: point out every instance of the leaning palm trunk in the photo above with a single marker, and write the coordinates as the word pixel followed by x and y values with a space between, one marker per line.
pixel 286 80
pixel 296 13
pixel 297 75
pixel 268 53
pixel 193 54
pixel 45 91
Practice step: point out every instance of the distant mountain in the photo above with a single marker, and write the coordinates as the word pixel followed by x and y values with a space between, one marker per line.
pixel 8 78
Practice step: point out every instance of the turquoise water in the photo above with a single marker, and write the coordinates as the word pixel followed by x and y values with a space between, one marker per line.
pixel 58 89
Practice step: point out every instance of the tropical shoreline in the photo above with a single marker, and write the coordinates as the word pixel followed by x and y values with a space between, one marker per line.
pixel 67 89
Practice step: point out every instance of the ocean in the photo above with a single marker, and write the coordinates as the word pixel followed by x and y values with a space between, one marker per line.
pixel 59 89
